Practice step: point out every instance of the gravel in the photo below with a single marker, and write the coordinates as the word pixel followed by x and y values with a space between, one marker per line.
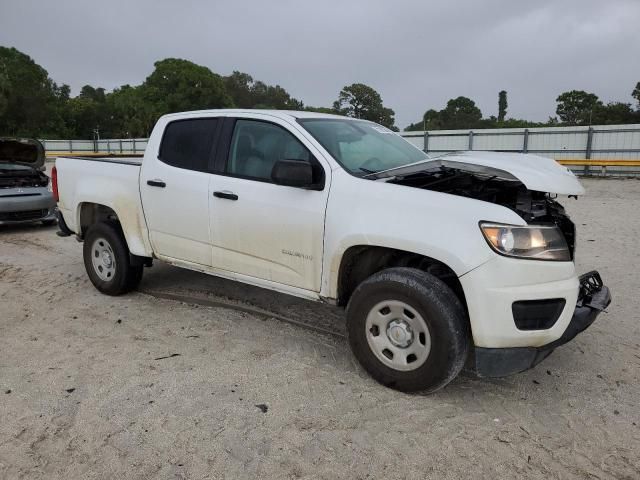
pixel 197 377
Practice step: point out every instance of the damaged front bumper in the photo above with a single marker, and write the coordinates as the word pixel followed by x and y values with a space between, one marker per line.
pixel 593 298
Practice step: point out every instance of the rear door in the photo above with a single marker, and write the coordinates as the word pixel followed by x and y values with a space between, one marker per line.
pixel 260 229
pixel 174 187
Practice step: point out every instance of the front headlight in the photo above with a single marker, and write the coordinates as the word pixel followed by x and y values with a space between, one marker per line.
pixel 531 242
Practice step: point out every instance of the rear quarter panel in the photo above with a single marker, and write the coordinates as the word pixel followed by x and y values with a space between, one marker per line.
pixel 114 185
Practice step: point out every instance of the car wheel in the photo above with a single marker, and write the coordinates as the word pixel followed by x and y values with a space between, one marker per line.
pixel 107 260
pixel 408 330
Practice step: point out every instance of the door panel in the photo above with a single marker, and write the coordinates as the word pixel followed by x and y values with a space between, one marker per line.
pixel 175 190
pixel 178 214
pixel 268 231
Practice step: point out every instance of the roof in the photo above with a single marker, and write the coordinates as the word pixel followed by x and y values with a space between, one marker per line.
pixel 284 114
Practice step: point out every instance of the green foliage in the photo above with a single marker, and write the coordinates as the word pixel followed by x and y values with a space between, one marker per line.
pixel 320 109
pixel 361 101
pixel 615 113
pixel 636 94
pixel 177 85
pixel 502 105
pixel 460 112
pixel 247 93
pixel 30 102
pixel 576 107
pixel 131 114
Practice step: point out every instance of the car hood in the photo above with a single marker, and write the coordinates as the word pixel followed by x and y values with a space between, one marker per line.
pixel 534 172
pixel 24 151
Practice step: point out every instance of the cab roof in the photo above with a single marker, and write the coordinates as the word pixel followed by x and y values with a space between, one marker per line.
pixel 283 114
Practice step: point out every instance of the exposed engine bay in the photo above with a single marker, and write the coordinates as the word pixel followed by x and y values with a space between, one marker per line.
pixel 23 177
pixel 21 163
pixel 534 207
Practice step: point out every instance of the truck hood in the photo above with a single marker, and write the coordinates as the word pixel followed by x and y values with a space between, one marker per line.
pixel 23 151
pixel 537 173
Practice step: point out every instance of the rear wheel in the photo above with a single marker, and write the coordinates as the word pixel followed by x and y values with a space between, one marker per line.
pixel 107 260
pixel 408 330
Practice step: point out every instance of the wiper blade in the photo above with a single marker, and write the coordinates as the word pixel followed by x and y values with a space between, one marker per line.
pixel 367 171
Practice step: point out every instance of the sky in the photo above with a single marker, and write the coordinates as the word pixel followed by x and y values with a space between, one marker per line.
pixel 416 53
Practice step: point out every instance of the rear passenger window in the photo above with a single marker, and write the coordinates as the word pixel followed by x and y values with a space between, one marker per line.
pixel 188 143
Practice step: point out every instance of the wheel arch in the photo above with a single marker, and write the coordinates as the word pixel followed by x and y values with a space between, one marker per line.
pixel 359 262
pixel 89 213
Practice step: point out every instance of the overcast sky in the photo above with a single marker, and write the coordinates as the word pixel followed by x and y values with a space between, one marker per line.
pixel 416 53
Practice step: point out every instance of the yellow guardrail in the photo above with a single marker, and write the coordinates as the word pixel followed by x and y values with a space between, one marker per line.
pixel 599 163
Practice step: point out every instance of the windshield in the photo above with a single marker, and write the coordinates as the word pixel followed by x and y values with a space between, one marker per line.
pixel 362 147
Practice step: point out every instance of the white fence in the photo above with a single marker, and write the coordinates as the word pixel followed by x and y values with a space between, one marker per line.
pixel 607 149
pixel 118 146
pixel 587 150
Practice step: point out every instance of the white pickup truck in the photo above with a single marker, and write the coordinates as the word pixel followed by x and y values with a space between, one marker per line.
pixel 439 261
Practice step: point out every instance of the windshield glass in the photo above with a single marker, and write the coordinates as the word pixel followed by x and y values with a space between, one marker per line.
pixel 362 147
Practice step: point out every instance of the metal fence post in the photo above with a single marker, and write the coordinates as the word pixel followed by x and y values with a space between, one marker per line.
pixel 426 142
pixel 120 146
pixel 70 145
pixel 587 154
pixel 470 139
pixel 525 142
pixel 134 146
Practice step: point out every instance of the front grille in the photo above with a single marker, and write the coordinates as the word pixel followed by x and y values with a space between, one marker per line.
pixel 24 215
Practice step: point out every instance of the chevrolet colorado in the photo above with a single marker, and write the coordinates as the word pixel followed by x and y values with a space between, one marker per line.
pixel 467 257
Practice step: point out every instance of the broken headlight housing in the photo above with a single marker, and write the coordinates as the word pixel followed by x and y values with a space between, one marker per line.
pixel 533 242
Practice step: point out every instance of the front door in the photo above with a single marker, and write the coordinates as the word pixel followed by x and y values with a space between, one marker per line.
pixel 260 229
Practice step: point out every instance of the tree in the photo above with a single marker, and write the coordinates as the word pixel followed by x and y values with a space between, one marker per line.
pixel 636 94
pixel 247 93
pixel 95 94
pixel 31 104
pixel 238 86
pixel 131 115
pixel 460 112
pixel 614 113
pixel 178 85
pixel 502 105
pixel 577 106
pixel 319 109
pixel 361 101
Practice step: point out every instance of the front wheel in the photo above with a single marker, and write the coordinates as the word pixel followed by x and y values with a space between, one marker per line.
pixel 408 330
pixel 107 260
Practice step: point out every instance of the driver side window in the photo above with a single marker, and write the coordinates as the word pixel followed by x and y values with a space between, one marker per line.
pixel 256 146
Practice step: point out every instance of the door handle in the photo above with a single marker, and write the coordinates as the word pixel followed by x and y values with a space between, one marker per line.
pixel 227 195
pixel 156 183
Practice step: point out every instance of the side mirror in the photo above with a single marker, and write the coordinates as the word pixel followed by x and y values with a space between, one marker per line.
pixel 292 173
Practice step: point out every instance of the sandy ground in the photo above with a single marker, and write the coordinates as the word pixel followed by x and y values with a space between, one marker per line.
pixel 147 387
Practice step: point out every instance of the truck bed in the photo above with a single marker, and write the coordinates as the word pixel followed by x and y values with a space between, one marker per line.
pixel 132 160
pixel 111 182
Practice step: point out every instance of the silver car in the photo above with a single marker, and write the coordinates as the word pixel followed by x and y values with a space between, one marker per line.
pixel 25 190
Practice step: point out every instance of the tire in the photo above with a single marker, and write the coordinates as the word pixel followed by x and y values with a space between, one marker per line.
pixel 107 260
pixel 408 330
